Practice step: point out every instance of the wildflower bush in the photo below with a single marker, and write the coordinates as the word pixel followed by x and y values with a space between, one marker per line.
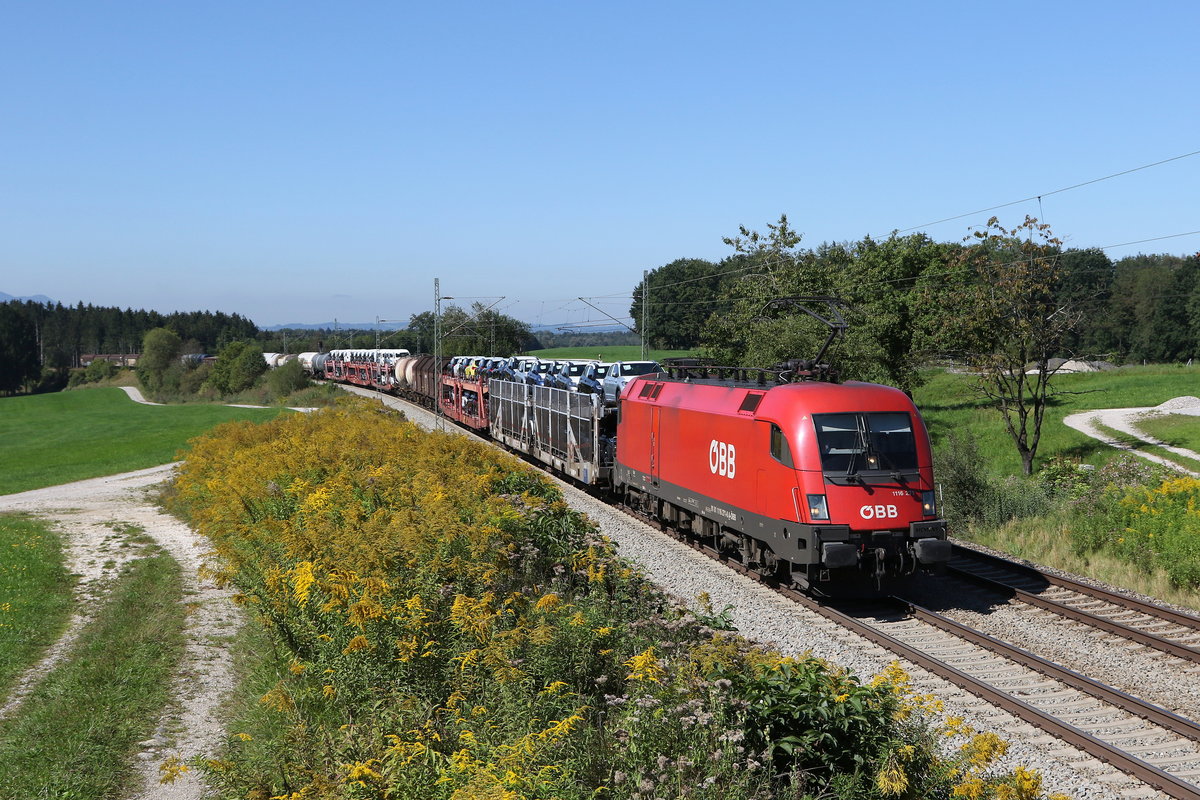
pixel 449 628
pixel 970 495
pixel 1149 520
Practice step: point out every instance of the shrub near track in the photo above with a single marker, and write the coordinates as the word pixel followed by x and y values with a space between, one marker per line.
pixel 453 630
pixel 1151 523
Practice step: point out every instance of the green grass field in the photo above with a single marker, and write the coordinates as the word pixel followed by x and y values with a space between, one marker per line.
pixel 1179 430
pixel 948 404
pixel 35 593
pixel 76 733
pixel 68 436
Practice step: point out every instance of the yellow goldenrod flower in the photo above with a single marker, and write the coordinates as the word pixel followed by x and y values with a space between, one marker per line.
pixel 645 667
pixel 357 643
pixel 984 748
pixel 171 768
pixel 892 780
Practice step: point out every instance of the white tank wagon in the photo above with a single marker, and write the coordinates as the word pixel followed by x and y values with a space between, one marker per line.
pixel 403 371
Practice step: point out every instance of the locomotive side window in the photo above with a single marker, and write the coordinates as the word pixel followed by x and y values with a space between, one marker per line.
pixel 780 450
pixel 851 443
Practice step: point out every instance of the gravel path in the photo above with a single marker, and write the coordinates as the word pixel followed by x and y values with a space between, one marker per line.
pixel 1125 420
pixel 91 515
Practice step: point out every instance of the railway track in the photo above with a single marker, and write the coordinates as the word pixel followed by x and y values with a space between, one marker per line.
pixel 1149 624
pixel 1143 740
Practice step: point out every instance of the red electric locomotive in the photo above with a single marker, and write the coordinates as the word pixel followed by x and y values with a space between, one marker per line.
pixel 828 484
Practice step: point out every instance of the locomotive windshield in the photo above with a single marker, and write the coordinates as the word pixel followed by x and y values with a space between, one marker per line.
pixel 851 443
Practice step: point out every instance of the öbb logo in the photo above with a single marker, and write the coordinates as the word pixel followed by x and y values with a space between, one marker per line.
pixel 722 459
pixel 879 512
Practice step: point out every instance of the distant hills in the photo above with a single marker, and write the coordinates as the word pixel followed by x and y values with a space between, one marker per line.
pixel 370 326
pixel 341 326
pixel 37 298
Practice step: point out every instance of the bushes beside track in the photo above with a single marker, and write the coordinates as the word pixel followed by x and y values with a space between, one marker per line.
pixel 1136 513
pixel 451 629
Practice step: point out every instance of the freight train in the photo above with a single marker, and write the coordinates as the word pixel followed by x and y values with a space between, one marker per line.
pixel 823 485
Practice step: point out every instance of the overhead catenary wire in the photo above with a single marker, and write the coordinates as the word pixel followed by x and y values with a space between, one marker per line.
pixel 759 264
pixel 1039 196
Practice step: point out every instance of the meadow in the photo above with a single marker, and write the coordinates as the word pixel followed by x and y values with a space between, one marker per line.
pixel 1179 430
pixel 35 593
pixel 69 436
pixel 76 733
pixel 1089 508
pixel 948 404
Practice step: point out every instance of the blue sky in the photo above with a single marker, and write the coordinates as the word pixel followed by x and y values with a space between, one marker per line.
pixel 304 162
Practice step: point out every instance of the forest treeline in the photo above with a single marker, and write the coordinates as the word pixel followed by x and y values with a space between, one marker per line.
pixel 41 342
pixel 1138 308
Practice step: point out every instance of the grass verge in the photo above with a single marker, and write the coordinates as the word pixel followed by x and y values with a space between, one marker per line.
pixel 75 734
pixel 35 593
pixel 1180 430
pixel 51 439
pixel 1137 443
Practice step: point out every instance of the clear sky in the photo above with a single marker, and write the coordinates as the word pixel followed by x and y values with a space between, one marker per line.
pixel 299 162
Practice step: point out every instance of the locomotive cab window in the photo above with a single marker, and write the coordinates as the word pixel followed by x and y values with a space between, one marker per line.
pixel 851 443
pixel 780 451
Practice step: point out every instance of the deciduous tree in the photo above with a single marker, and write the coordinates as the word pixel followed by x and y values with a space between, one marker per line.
pixel 237 367
pixel 681 296
pixel 160 351
pixel 996 309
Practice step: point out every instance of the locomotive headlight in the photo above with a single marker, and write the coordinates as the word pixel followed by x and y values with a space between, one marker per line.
pixel 928 504
pixel 817 507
